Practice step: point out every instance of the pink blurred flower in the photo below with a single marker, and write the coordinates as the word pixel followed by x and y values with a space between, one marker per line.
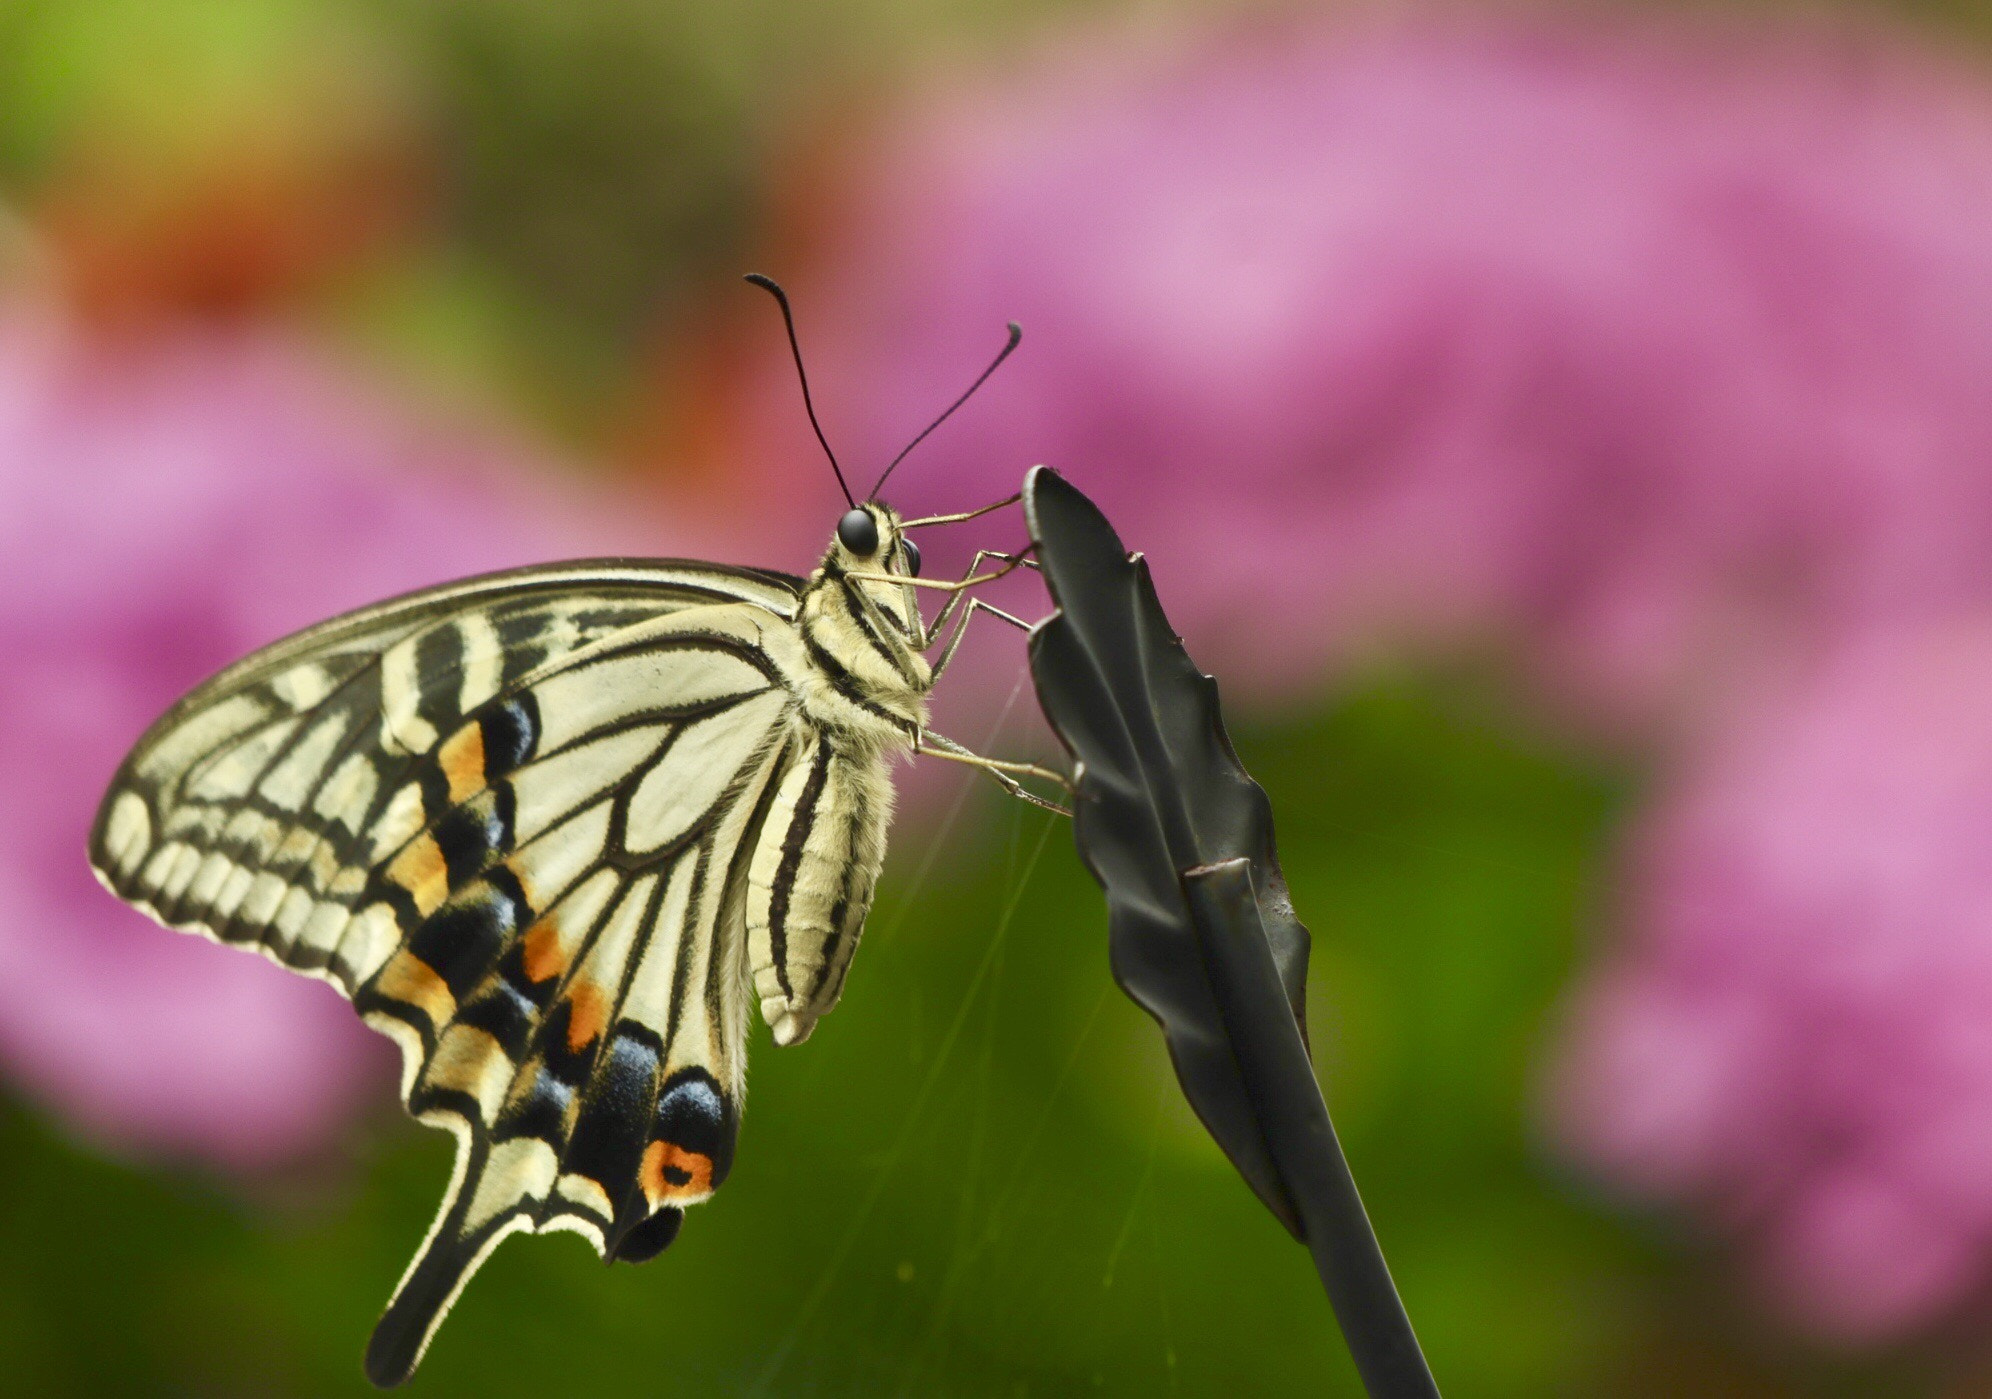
pixel 168 505
pixel 1662 345
pixel 1800 1035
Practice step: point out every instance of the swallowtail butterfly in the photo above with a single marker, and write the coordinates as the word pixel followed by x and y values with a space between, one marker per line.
pixel 546 828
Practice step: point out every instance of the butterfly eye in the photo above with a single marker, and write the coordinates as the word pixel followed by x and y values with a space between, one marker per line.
pixel 912 552
pixel 858 532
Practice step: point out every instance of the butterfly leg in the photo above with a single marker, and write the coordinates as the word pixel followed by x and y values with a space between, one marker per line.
pixel 961 630
pixel 1002 772
pixel 943 585
pixel 1011 562
pixel 964 515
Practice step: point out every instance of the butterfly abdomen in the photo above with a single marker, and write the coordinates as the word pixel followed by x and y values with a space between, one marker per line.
pixel 811 879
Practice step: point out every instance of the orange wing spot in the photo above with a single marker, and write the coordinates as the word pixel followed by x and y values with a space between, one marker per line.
pixel 543 956
pixel 412 981
pixel 462 757
pixel 589 1017
pixel 671 1175
pixel 421 870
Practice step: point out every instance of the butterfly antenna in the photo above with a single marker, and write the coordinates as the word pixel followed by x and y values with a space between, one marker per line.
pixel 774 289
pixel 1016 334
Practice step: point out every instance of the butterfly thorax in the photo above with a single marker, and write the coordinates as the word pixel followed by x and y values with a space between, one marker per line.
pixel 869 685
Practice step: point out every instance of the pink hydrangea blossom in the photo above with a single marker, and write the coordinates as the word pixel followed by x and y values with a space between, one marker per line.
pixel 1800 1034
pixel 165 506
pixel 1657 343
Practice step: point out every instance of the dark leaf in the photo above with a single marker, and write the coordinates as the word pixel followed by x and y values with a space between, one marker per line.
pixel 1160 792
pixel 1201 932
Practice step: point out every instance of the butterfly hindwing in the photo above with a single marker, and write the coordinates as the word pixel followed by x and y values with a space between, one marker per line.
pixel 576 1010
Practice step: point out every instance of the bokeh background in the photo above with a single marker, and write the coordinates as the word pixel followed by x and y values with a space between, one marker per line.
pixel 1566 431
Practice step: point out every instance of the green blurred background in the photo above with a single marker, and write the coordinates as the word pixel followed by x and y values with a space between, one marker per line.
pixel 977 1179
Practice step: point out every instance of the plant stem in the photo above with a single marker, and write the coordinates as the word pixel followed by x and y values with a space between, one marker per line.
pixel 1299 1136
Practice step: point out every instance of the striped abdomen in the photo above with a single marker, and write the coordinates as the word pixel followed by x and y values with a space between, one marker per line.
pixel 810 883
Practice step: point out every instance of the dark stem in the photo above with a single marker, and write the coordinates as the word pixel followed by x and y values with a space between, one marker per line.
pixel 1300 1137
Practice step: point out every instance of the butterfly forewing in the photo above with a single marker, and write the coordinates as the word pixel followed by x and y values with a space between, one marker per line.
pixel 259 801
pixel 514 820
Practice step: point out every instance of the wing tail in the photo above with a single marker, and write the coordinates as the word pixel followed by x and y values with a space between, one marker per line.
pixel 404 1329
pixel 477 1215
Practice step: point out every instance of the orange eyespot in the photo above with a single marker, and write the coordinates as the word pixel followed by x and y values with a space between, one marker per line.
pixel 671 1174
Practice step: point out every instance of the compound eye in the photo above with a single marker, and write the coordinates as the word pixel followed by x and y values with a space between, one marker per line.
pixel 912 552
pixel 858 532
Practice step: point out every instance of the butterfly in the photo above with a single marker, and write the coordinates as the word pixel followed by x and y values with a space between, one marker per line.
pixel 549 829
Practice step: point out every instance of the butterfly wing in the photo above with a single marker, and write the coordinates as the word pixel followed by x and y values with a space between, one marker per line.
pixel 510 819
